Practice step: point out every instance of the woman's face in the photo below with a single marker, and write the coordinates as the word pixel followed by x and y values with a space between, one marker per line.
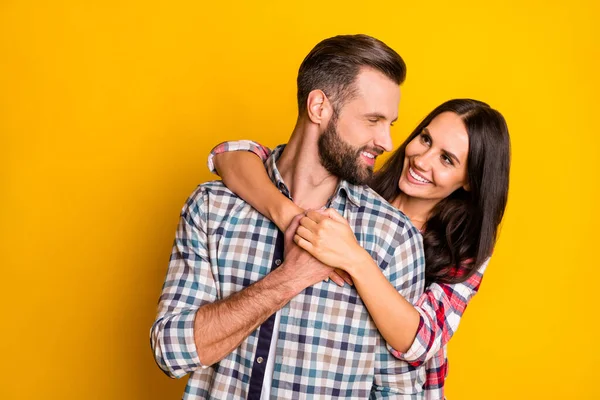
pixel 435 162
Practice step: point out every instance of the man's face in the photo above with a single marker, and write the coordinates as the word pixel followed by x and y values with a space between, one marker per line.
pixel 354 138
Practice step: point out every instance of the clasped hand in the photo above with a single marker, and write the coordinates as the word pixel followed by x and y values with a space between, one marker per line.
pixel 327 236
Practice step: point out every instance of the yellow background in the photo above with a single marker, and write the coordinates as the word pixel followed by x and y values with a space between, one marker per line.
pixel 108 110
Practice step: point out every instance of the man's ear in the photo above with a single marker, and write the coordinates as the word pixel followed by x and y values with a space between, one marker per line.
pixel 318 107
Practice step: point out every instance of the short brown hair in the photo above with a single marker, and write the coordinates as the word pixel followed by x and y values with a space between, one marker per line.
pixel 333 65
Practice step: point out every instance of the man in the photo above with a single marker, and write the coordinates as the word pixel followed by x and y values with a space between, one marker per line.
pixel 249 320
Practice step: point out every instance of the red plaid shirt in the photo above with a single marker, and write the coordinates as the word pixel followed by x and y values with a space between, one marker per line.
pixel 441 306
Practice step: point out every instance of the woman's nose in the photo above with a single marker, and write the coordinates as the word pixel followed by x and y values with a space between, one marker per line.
pixel 421 162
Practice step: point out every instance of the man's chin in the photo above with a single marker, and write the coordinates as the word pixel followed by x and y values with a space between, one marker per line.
pixel 362 178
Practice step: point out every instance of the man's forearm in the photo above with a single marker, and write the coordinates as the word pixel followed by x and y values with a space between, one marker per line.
pixel 221 326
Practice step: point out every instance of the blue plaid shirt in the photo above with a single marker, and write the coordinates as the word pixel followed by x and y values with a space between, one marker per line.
pixel 328 345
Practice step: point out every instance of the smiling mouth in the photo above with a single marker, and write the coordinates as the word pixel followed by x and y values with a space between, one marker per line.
pixel 417 177
pixel 369 155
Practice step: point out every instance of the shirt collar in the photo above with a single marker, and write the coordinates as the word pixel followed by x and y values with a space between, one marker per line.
pixel 353 192
pixel 273 172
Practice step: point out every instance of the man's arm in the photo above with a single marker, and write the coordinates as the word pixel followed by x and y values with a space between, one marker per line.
pixel 220 327
pixel 193 327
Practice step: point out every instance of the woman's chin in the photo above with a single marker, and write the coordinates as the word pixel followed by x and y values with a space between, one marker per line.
pixel 414 190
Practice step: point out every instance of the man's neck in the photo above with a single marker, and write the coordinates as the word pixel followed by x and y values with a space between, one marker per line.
pixel 309 183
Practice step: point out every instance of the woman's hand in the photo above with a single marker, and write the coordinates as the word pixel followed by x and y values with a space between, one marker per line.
pixel 327 236
pixel 283 215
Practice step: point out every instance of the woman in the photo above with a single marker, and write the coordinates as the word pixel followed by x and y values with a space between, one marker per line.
pixel 450 177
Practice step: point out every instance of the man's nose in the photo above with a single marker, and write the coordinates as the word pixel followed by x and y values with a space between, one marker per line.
pixel 384 140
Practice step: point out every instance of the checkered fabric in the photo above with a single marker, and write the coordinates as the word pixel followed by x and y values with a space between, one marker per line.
pixel 328 346
pixel 440 307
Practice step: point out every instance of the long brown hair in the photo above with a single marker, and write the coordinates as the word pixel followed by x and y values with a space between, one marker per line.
pixel 462 228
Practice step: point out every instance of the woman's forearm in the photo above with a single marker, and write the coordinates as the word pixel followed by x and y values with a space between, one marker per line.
pixel 245 175
pixel 328 237
pixel 396 318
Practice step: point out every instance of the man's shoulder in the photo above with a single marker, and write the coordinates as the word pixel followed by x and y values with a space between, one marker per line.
pixel 388 235
pixel 214 188
pixel 381 215
pixel 372 203
pixel 212 196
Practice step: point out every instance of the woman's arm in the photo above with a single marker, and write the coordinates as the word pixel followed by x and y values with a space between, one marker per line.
pixel 329 238
pixel 441 308
pixel 415 333
pixel 244 174
pixel 241 166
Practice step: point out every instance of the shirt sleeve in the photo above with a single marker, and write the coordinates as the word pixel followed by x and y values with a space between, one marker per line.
pixel 441 308
pixel 261 151
pixel 406 272
pixel 188 285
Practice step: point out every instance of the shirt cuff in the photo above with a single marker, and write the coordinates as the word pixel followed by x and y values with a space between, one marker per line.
pixel 238 145
pixel 218 149
pixel 415 355
pixel 179 348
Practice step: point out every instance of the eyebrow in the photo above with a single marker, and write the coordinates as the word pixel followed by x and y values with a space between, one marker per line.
pixel 379 116
pixel 446 152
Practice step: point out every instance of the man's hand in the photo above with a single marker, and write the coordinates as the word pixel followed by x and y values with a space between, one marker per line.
pixel 328 237
pixel 300 264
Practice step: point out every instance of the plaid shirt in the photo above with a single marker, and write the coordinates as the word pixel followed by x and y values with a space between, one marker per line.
pixel 440 307
pixel 328 346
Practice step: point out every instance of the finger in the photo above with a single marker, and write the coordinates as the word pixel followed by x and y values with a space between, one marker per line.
pixel 305 234
pixel 295 222
pixel 334 215
pixel 316 216
pixel 309 224
pixel 303 243
pixel 345 276
pixel 291 230
pixel 337 279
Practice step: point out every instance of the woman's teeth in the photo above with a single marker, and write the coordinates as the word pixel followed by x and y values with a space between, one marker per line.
pixel 417 177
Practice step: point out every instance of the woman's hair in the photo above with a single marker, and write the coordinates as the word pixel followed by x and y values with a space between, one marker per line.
pixel 462 229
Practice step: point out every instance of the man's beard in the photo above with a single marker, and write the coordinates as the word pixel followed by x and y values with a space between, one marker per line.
pixel 341 159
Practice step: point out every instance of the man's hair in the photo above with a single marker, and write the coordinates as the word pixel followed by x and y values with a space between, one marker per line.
pixel 333 65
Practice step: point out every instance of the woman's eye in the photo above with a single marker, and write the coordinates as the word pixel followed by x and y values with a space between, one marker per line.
pixel 447 160
pixel 425 138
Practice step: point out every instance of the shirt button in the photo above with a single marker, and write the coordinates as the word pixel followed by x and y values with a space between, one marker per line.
pixel 278 262
pixel 259 360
